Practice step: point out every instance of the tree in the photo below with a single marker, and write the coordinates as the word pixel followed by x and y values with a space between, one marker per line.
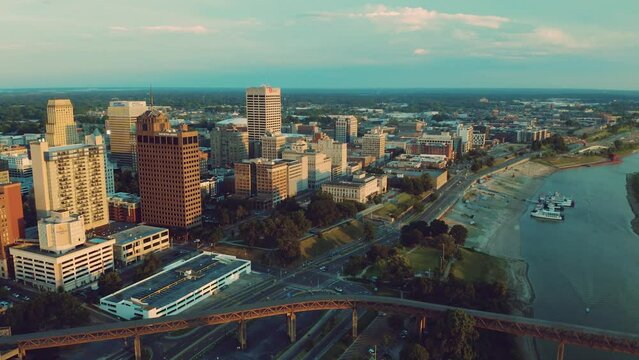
pixel 414 351
pixel 411 237
pixel 149 266
pixel 369 232
pixel 459 233
pixel 446 242
pixel 618 144
pixel 454 336
pixel 109 282
pixel 438 227
pixel 476 165
pixel 46 311
pixel 394 269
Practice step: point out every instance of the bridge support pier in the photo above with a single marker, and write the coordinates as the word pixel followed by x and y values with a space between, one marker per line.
pixel 22 353
pixel 292 326
pixel 560 351
pixel 421 326
pixel 354 319
pixel 137 347
pixel 241 334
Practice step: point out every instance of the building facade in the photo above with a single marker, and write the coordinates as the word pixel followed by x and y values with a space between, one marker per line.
pixel 336 151
pixel 60 127
pixel 120 125
pixel 20 167
pixel 177 288
pixel 360 188
pixel 11 224
pixel 72 178
pixel 465 133
pixel 71 270
pixel 265 181
pixel 125 207
pixel 272 145
pixel 229 145
pixel 63 258
pixel 345 128
pixel 134 244
pixel 109 178
pixel 168 172
pixel 374 143
pixel 263 113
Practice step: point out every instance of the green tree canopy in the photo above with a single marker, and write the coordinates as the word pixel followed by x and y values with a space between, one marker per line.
pixel 454 336
pixel 414 351
pixel 109 282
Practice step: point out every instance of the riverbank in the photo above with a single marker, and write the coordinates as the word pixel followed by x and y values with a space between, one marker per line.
pixel 633 198
pixel 491 211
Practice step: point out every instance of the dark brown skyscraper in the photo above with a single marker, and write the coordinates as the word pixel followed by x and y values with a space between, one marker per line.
pixel 169 172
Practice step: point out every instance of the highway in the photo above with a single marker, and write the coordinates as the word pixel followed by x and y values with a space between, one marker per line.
pixel 562 333
pixel 210 341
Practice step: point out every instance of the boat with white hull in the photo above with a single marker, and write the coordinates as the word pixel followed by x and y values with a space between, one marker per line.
pixel 547 214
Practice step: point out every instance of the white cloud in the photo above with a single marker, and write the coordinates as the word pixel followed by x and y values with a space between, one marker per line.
pixel 554 37
pixel 421 52
pixel 417 18
pixel 196 29
pixel 118 28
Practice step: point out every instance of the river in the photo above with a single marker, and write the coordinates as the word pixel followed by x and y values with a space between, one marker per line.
pixel 590 260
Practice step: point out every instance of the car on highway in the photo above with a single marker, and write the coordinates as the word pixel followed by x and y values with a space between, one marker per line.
pixel 322 268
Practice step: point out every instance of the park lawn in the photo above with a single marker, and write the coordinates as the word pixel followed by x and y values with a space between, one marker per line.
pixel 315 245
pixel 399 204
pixel 479 267
pixel 422 258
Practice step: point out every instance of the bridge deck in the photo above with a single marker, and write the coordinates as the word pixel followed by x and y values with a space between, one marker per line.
pixel 548 330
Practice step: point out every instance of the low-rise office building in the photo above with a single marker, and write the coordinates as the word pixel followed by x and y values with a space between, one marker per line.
pixel 63 258
pixel 178 287
pixel 70 270
pixel 134 244
pixel 124 207
pixel 361 187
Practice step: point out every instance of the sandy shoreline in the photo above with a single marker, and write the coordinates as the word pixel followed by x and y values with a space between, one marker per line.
pixel 633 200
pixel 491 211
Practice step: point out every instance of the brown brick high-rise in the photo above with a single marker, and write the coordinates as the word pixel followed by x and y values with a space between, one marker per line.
pixel 11 224
pixel 169 172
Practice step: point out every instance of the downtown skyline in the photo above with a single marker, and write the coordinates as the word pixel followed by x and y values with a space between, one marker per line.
pixel 392 44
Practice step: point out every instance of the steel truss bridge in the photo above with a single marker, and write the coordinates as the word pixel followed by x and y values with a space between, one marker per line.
pixel 561 333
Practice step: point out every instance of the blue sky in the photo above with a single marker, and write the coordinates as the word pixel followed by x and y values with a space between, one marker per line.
pixel 328 43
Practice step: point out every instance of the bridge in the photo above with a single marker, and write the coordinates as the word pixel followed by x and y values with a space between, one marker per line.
pixel 561 333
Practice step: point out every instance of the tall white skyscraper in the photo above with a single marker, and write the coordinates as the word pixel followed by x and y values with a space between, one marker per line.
pixel 263 113
pixel 120 125
pixel 71 178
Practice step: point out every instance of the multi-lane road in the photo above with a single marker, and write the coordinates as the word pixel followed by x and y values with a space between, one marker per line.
pixel 267 337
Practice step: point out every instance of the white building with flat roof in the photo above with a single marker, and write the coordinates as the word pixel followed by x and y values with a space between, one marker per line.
pixel 134 244
pixel 178 287
pixel 360 188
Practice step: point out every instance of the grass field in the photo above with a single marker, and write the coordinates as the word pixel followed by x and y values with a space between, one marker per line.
pixel 420 258
pixel 398 204
pixel 423 258
pixel 476 266
pixel 316 245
